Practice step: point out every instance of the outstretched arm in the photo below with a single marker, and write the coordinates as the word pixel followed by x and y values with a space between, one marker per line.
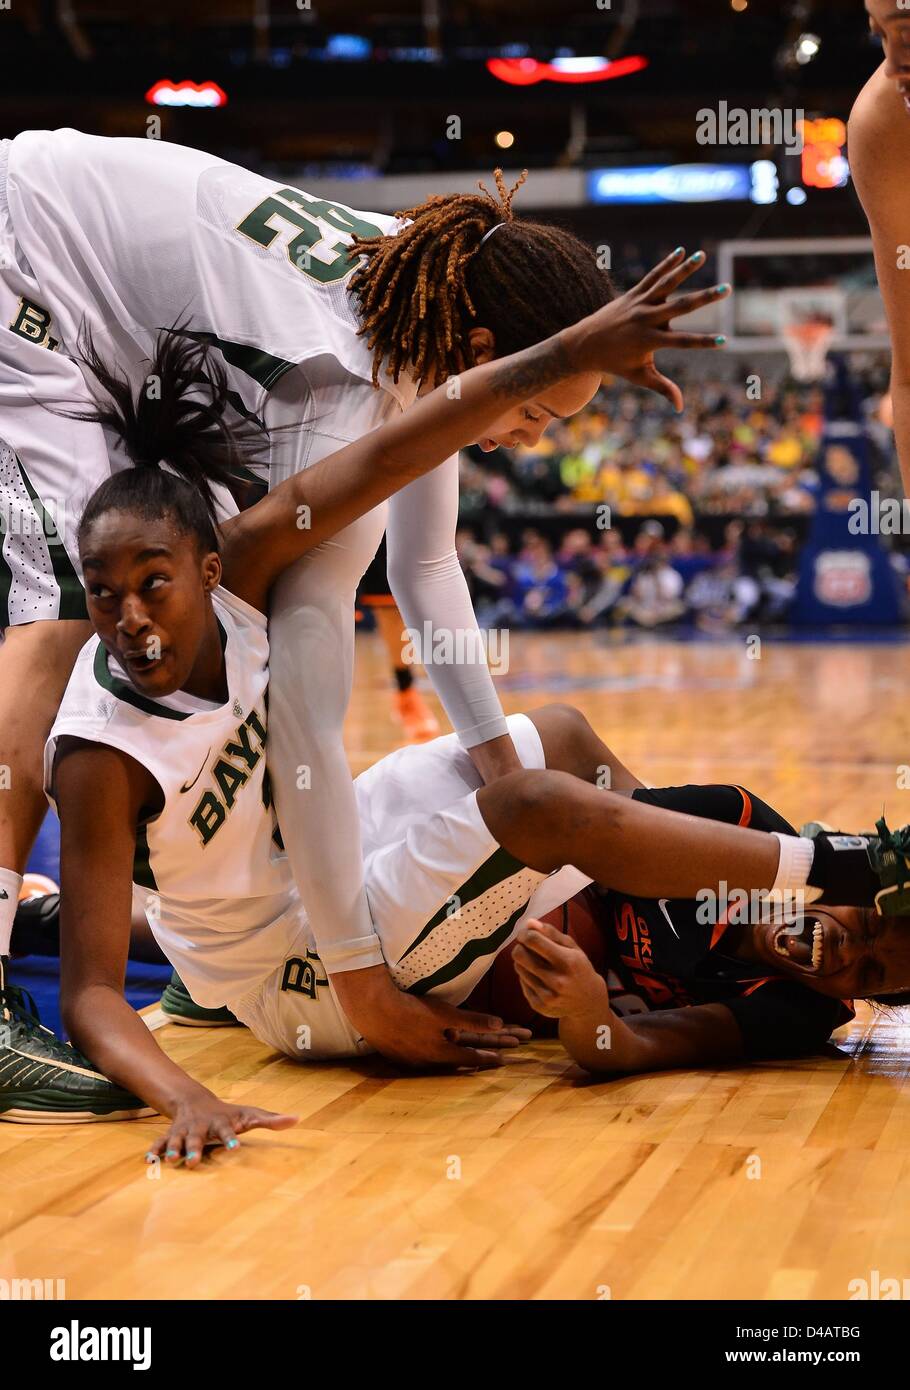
pixel 879 148
pixel 320 501
pixel 97 844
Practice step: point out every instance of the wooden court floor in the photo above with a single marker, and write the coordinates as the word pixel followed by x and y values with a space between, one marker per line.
pixel 779 1181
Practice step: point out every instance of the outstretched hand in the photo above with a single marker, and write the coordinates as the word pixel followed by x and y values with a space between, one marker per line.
pixel 205 1120
pixel 623 336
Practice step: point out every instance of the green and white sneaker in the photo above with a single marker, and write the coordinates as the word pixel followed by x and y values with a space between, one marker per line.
pixel 178 1005
pixel 889 859
pixel 46 1082
pixel 871 869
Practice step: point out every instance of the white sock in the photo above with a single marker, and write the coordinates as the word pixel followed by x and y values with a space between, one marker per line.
pixel 10 884
pixel 796 856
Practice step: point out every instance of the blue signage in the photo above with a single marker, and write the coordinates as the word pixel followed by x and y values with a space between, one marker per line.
pixel 671 183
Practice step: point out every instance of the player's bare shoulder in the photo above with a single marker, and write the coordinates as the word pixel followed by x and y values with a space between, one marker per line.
pixel 878 135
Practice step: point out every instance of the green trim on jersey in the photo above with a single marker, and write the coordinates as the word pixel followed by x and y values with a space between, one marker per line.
pixel 143 873
pixel 256 363
pixel 128 695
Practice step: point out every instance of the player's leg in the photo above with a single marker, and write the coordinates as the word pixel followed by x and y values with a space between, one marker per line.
pixel 411 709
pixel 408 705
pixel 547 819
pixel 570 744
pixel 48 466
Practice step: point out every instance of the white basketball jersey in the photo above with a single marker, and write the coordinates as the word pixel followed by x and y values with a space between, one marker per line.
pixel 225 907
pixel 131 236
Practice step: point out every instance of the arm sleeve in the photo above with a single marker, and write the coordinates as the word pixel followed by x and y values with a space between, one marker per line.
pixel 781 1018
pixel 426 579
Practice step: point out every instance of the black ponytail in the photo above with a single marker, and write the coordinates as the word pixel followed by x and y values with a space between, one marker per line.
pixel 177 419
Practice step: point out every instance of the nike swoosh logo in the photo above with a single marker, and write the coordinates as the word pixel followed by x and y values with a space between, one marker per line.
pixel 662 904
pixel 187 785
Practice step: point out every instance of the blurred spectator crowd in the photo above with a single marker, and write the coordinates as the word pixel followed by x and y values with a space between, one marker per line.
pixel 723 493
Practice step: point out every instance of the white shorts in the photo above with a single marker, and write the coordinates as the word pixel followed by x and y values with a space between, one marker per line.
pixel 49 466
pixel 444 896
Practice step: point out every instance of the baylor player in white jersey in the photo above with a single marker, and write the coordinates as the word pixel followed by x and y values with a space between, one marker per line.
pixel 129 236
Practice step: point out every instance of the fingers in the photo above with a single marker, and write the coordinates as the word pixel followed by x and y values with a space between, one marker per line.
pixel 267 1120
pixel 653 380
pixel 537 995
pixel 656 274
pixel 552 949
pixel 666 283
pixel 671 339
pixel 486 1023
pixel 193 1146
pixel 466 1038
pixel 532 966
pixel 223 1131
pixel 687 303
pixel 479 1059
pixel 156 1148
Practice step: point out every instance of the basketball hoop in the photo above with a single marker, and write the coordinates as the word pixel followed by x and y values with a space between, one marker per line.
pixel 807 345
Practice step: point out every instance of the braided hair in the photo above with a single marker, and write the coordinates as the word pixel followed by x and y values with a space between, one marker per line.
pixel 422 290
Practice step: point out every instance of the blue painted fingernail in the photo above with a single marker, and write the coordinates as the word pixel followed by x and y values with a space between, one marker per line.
pixel 697 256
pixel 194 1154
pixel 172 1153
pixel 232 1144
pixel 720 340
pixel 722 289
pixel 679 250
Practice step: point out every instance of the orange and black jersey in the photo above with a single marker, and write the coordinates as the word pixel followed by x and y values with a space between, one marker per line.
pixel 663 953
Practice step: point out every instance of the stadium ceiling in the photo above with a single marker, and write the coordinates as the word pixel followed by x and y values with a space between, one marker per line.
pixel 343 80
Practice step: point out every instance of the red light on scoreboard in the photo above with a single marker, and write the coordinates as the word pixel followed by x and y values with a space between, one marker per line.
pixel 523 72
pixel 203 95
pixel 823 162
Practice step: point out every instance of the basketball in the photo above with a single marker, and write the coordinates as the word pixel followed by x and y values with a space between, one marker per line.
pixel 500 992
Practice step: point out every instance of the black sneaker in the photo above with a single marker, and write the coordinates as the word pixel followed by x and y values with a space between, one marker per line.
pixel 46 1082
pixel 179 1006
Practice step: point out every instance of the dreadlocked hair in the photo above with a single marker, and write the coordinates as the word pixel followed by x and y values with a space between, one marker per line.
pixel 174 432
pixel 422 290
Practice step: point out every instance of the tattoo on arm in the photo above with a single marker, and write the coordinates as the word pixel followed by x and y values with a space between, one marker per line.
pixel 532 370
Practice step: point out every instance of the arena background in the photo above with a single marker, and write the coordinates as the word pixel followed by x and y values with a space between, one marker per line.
pixel 636 556
pixel 626 519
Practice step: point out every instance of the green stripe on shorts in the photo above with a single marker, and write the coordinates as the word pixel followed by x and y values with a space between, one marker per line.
pixel 471 951
pixel 72 594
pixel 501 864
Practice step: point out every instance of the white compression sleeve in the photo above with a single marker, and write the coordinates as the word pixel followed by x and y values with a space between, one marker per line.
pixel 430 589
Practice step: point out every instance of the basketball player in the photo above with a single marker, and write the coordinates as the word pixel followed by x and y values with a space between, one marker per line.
pixel 321 315
pixel 170 703
pixel 878 136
